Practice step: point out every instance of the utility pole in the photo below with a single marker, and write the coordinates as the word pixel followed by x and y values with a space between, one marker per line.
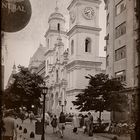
pixel 138 50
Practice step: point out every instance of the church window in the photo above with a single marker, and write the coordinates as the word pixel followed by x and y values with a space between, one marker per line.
pixel 107 60
pixel 72 47
pixel 48 43
pixel 88 45
pixel 120 7
pixel 121 75
pixel 121 30
pixel 56 75
pixel 107 19
pixel 120 53
pixel 58 26
pixel 47 65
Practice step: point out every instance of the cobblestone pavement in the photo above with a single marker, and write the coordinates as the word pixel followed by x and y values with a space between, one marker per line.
pixel 68 135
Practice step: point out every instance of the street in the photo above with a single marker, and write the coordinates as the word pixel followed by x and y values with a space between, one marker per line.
pixel 68 134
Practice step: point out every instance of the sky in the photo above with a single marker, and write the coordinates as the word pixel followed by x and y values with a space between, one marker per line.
pixel 22 45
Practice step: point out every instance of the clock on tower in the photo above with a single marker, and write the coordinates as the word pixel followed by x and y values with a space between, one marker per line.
pixel 88 13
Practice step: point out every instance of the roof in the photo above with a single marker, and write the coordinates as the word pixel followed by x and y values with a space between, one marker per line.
pixel 56 15
pixel 38 56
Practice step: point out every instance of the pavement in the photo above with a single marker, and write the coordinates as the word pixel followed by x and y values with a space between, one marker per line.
pixel 49 135
pixel 111 136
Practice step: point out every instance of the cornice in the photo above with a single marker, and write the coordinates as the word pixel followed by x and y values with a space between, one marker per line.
pixel 74 1
pixel 130 90
pixel 79 27
pixel 49 51
pixel 71 91
pixel 41 69
pixel 33 67
pixel 55 18
pixel 82 63
pixel 71 4
pixel 54 31
pixel 47 77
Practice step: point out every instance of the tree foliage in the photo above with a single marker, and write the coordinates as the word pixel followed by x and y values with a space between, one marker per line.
pixel 101 94
pixel 24 91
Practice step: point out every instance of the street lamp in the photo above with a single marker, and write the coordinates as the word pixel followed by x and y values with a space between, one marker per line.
pixel 44 92
pixel 32 107
pixel 61 104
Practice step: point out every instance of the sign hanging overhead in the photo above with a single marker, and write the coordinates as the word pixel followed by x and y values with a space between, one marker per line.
pixel 15 14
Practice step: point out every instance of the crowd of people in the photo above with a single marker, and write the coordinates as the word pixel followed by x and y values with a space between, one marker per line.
pixel 78 121
pixel 83 121
pixel 58 123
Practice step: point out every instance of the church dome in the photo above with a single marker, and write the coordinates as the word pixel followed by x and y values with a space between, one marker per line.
pixel 56 15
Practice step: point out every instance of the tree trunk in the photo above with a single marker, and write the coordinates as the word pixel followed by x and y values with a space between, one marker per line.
pixel 100 119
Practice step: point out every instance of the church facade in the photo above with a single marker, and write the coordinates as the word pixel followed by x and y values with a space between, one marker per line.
pixel 71 55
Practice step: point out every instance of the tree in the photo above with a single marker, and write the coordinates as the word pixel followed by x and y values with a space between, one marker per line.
pixel 101 94
pixel 25 91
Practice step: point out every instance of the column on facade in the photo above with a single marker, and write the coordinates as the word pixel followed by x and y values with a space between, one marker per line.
pixel 57 103
pixel 64 94
pixel 53 102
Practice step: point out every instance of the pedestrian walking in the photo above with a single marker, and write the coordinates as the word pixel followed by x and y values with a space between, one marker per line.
pixel 54 123
pixel 82 121
pixel 47 121
pixel 86 124
pixel 75 124
pixel 90 126
pixel 22 116
pixel 61 126
pixel 10 131
pixel 31 117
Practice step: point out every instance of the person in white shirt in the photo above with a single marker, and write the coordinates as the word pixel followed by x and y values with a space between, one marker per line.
pixel 75 123
pixel 9 121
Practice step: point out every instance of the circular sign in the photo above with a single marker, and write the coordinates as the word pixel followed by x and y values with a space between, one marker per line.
pixel 15 14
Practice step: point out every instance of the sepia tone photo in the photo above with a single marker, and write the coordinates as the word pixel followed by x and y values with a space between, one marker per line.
pixel 70 69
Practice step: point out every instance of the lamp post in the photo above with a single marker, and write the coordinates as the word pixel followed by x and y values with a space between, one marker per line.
pixel 44 92
pixel 62 105
pixel 32 107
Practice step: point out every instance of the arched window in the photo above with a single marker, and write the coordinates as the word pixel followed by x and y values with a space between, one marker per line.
pixel 52 100
pixel 72 47
pixel 47 64
pixel 56 99
pixel 48 43
pixel 87 45
pixel 58 27
pixel 56 75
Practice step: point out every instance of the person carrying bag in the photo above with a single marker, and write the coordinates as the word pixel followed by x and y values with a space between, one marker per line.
pixel 61 126
pixel 54 123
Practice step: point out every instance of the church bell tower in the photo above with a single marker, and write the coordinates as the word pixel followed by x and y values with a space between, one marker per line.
pixel 83 46
pixel 84 29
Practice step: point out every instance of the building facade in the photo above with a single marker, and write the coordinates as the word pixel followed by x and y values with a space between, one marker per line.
pixel 121 46
pixel 83 46
pixel 37 59
pixel 11 78
pixel 72 55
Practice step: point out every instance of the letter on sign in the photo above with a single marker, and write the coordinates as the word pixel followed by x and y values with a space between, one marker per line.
pixel 15 14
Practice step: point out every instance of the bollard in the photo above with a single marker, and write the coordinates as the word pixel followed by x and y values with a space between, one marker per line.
pixel 115 138
pixel 17 125
pixel 20 128
pixel 25 131
pixel 20 132
pixel 24 134
pixel 32 135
